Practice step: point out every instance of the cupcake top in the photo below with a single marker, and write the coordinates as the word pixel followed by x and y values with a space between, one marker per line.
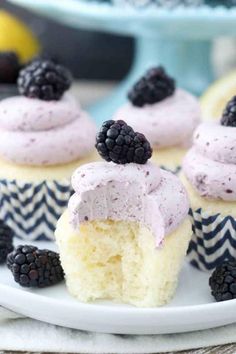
pixel 210 165
pixel 46 126
pixel 166 115
pixel 127 190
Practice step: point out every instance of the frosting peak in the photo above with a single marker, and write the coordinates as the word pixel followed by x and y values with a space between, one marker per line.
pixel 132 192
pixel 25 114
pixel 211 163
pixel 216 142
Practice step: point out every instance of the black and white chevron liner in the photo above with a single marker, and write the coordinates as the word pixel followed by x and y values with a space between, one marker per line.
pixel 32 209
pixel 213 240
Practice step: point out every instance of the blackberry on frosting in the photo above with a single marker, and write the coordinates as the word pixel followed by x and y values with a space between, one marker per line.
pixel 153 87
pixel 44 79
pixel 229 114
pixel 117 142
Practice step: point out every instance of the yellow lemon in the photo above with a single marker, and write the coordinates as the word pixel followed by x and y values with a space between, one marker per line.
pixel 16 36
pixel 217 95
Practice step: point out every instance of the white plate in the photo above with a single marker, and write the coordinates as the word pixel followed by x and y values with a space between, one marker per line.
pixel 192 308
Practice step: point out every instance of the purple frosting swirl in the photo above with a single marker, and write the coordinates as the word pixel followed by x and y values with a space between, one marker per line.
pixel 210 165
pixel 36 132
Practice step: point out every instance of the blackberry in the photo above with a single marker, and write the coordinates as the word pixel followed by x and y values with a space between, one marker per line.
pixel 153 87
pixel 117 142
pixel 223 281
pixel 44 79
pixel 32 267
pixel 229 114
pixel 6 241
pixel 9 67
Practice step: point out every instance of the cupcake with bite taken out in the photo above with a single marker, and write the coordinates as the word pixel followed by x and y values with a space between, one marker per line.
pixel 45 135
pixel 126 230
pixel 209 174
pixel 166 115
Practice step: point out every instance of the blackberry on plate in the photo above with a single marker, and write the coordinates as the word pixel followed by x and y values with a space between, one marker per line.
pixel 117 142
pixel 32 267
pixel 6 241
pixel 44 79
pixel 9 67
pixel 229 115
pixel 223 281
pixel 153 87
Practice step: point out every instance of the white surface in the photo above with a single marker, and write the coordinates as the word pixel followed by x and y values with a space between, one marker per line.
pixel 47 338
pixel 191 309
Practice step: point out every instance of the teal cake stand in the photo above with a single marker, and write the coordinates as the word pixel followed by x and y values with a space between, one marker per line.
pixel 179 39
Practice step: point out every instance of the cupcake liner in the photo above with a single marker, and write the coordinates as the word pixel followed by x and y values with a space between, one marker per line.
pixel 213 240
pixel 32 209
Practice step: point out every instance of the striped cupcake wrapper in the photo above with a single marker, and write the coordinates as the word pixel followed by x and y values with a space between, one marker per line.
pixel 213 240
pixel 32 209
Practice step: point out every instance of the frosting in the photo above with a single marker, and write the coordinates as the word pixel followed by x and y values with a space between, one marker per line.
pixel 37 132
pixel 170 122
pixel 210 165
pixel 216 142
pixel 132 192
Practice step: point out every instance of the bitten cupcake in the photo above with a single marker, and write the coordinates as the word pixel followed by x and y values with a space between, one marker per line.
pixel 45 135
pixel 209 174
pixel 126 230
pixel 166 115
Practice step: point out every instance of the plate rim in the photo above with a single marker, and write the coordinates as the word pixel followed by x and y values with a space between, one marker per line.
pixel 131 309
pixel 112 317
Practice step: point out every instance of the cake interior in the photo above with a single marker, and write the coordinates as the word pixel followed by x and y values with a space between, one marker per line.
pixel 118 260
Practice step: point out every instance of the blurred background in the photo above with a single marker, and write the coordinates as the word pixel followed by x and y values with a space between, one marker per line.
pixel 100 56
pixel 89 55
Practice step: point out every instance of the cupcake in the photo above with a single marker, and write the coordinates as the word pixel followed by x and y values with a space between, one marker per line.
pixel 45 135
pixel 166 115
pixel 209 174
pixel 126 230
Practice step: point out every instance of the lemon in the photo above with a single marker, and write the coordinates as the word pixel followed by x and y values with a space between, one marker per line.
pixel 217 95
pixel 16 36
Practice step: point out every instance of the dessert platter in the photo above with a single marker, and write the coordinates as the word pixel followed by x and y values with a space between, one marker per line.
pixel 128 227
